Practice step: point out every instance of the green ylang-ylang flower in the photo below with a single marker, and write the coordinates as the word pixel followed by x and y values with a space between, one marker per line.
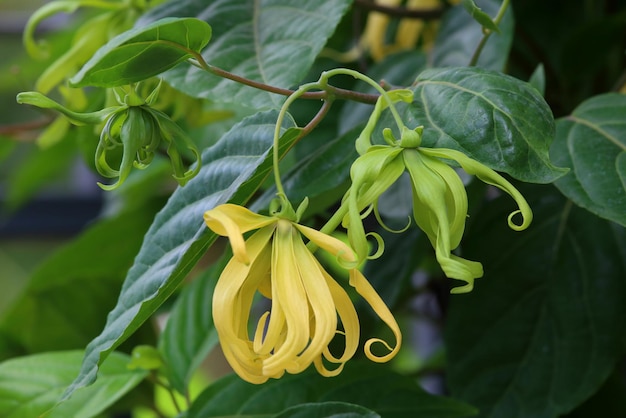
pixel 308 307
pixel 135 127
pixel 439 196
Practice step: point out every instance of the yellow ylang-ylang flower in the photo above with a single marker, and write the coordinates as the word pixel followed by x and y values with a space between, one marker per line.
pixel 439 197
pixel 308 307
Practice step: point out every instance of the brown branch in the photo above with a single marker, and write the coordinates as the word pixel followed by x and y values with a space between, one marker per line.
pixel 402 11
pixel 16 130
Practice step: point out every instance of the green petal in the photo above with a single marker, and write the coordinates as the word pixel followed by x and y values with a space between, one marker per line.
pixel 488 176
pixel 372 174
pixel 431 214
pixel 91 118
pixel 233 221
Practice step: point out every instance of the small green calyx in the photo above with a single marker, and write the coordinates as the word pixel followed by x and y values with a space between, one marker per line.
pixel 411 138
pixel 280 207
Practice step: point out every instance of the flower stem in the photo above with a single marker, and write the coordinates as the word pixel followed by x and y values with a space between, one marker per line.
pixel 487 33
pixel 345 71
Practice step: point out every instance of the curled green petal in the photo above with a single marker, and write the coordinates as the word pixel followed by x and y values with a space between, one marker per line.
pixel 90 118
pixel 488 176
pixel 178 140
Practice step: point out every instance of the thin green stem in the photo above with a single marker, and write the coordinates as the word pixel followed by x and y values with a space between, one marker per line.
pixel 279 122
pixel 345 71
pixel 487 33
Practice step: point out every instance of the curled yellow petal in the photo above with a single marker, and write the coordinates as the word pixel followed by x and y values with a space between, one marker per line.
pixel 367 292
pixel 233 221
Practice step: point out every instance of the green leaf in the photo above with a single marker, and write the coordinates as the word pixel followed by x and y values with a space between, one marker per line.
pixel 481 17
pixel 190 334
pixel 67 298
pixel 459 36
pixel 269 41
pixel 232 170
pixel 143 52
pixel 543 328
pixel 496 119
pixel 538 79
pixel 592 142
pixel 30 386
pixel 327 410
pixel 39 168
pixel 371 386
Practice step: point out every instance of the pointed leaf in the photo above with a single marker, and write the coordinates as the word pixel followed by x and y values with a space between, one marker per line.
pixel 232 170
pixel 496 119
pixel 592 142
pixel 270 41
pixel 143 52
pixel 30 386
pixel 66 300
pixel 543 328
pixel 371 386
pixel 189 334
pixel 459 36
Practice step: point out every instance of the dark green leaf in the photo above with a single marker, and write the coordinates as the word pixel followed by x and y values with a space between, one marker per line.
pixel 232 170
pixel 459 36
pixel 481 17
pixel 592 142
pixel 30 386
pixel 542 329
pixel 368 385
pixel 39 168
pixel 270 41
pixel 144 52
pixel 538 79
pixel 327 410
pixel 498 120
pixel 189 334
pixel 66 300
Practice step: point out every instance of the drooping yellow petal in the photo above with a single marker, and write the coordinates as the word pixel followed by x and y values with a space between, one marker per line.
pixel 351 329
pixel 233 221
pixel 367 292
pixel 232 301
pixel 488 176
pixel 320 300
pixel 289 291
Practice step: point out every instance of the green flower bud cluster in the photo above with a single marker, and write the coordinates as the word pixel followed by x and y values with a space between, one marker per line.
pixel 136 128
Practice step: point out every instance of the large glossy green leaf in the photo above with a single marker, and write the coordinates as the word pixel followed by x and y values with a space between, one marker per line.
pixel 371 386
pixel 459 36
pixel 143 52
pixel 189 334
pixel 270 41
pixel 592 142
pixel 494 118
pixel 66 300
pixel 543 328
pixel 232 170
pixel 32 385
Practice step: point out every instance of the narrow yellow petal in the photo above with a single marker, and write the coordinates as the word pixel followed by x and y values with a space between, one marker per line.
pixel 288 289
pixel 232 301
pixel 328 243
pixel 320 300
pixel 365 289
pixel 233 221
